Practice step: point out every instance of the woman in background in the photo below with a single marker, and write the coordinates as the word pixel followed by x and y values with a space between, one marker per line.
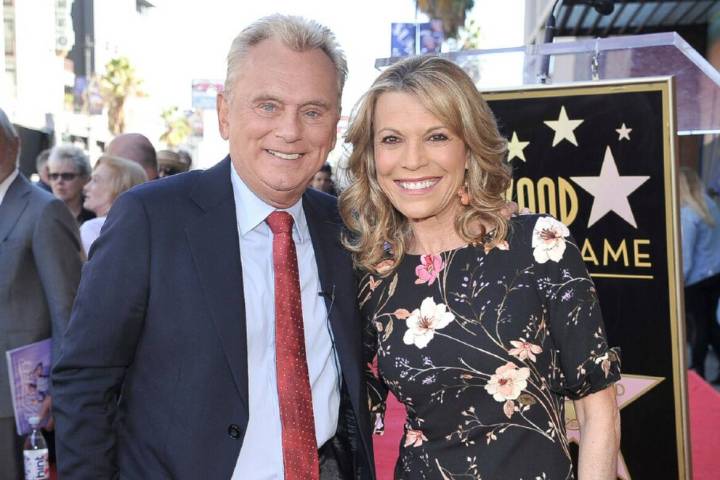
pixel 482 326
pixel 700 223
pixel 110 177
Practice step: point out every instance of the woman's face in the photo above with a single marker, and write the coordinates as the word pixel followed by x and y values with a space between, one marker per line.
pixel 65 179
pixel 98 193
pixel 420 162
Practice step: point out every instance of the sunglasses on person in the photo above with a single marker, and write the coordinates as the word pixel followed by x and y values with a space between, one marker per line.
pixel 169 170
pixel 67 176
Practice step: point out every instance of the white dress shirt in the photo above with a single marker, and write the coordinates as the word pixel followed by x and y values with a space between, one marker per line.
pixel 261 454
pixel 5 184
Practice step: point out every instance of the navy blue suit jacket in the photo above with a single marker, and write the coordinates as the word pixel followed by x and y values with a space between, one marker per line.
pixel 152 379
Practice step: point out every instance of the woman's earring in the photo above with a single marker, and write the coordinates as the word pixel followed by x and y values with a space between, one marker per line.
pixel 464 195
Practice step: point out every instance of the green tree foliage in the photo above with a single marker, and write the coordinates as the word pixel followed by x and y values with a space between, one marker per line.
pixel 450 12
pixel 177 127
pixel 117 83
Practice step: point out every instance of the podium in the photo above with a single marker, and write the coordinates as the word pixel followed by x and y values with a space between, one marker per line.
pixel 612 181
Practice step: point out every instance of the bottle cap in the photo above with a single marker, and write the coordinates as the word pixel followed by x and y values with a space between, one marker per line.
pixel 34 421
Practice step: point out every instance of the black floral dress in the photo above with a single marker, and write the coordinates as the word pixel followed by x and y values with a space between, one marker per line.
pixel 483 347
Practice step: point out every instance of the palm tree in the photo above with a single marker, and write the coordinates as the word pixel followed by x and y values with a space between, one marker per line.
pixel 117 83
pixel 450 12
pixel 177 127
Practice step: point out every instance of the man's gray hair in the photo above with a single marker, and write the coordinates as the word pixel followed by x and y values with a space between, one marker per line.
pixel 9 134
pixel 73 154
pixel 297 33
pixel 6 128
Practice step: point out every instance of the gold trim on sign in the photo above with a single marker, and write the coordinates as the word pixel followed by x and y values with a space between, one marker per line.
pixel 622 275
pixel 665 86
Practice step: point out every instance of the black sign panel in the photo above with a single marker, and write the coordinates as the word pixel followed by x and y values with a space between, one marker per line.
pixel 600 158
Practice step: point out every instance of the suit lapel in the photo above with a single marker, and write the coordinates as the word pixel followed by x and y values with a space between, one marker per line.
pixel 14 204
pixel 331 259
pixel 214 244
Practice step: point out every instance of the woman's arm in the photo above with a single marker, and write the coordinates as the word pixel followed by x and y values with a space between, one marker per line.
pixel 599 421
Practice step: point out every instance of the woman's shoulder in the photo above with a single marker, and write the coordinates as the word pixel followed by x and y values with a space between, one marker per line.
pixel 523 228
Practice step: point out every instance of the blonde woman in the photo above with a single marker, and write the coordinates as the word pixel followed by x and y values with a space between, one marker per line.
pixel 700 223
pixel 482 326
pixel 110 177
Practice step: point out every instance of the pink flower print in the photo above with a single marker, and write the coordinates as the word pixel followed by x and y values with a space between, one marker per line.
pixel 414 438
pixel 524 350
pixel 428 270
pixel 508 382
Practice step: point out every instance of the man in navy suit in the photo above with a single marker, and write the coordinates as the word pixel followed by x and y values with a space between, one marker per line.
pixel 168 365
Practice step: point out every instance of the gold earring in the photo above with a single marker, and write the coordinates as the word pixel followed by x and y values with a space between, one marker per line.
pixel 464 195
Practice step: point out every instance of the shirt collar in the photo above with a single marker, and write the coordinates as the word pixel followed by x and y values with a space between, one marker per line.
pixel 254 211
pixel 5 184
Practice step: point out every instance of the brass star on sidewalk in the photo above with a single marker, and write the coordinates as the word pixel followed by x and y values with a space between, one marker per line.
pixel 623 132
pixel 564 128
pixel 610 191
pixel 628 389
pixel 516 147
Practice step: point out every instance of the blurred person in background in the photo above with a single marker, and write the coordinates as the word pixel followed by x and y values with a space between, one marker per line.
pixel 135 147
pixel 69 171
pixel 171 163
pixel 323 181
pixel 111 177
pixel 42 170
pixel 700 224
pixel 40 262
pixel 186 158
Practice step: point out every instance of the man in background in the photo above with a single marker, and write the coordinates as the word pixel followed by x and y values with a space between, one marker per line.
pixel 135 147
pixel 42 170
pixel 40 261
pixel 322 180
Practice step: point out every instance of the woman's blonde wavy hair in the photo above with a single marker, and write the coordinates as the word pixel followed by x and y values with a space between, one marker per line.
pixel 376 228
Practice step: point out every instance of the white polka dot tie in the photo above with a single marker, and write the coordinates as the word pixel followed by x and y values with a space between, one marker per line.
pixel 300 455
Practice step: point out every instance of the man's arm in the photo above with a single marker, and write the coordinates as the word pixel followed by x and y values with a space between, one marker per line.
pixel 99 344
pixel 58 259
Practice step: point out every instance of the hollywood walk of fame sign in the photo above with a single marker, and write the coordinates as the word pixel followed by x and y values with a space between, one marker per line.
pixel 600 157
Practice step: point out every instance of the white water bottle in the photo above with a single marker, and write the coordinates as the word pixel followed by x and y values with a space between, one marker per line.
pixel 35 453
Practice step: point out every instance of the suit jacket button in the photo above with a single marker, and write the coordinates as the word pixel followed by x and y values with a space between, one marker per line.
pixel 234 431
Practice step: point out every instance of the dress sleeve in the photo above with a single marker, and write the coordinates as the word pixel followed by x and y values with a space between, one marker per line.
pixel 583 363
pixel 377 390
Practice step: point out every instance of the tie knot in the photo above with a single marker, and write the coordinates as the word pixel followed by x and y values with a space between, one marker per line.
pixel 280 222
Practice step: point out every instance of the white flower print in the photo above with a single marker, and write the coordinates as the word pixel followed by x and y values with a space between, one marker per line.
pixel 423 322
pixel 548 240
pixel 508 382
pixel 524 349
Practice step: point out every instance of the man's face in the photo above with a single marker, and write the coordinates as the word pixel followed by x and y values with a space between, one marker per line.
pixel 8 156
pixel 280 119
pixel 322 181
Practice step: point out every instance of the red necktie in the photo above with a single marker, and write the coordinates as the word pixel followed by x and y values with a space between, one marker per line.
pixel 300 453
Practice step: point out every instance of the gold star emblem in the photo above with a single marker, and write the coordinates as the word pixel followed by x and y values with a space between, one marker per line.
pixel 564 128
pixel 516 147
pixel 623 132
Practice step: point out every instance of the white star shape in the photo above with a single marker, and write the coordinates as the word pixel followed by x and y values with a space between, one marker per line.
pixel 623 132
pixel 564 128
pixel 516 147
pixel 610 191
